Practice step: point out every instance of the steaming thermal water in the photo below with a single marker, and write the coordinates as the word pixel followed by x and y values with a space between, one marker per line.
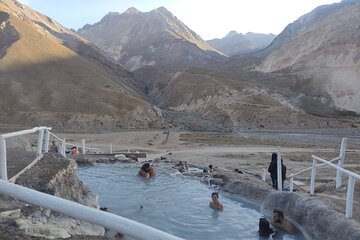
pixel 172 203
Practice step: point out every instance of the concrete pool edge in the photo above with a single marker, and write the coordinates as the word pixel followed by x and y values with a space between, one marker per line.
pixel 311 214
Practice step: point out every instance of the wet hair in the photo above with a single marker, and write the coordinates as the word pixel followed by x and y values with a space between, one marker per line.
pixel 264 228
pixel 215 194
pixel 146 167
pixel 274 156
pixel 279 212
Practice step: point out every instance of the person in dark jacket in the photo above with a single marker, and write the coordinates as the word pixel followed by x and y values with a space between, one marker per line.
pixel 273 171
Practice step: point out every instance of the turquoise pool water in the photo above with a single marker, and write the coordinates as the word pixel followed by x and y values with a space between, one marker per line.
pixel 173 203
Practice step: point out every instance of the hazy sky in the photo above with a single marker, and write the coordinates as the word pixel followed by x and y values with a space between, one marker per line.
pixel 209 18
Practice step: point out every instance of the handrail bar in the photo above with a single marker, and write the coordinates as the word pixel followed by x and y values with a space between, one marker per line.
pixel 79 211
pixel 337 167
pixel 24 132
pixel 52 134
pixel 307 169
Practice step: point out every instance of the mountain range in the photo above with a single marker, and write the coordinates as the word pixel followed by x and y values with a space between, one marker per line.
pixel 237 43
pixel 156 38
pixel 307 77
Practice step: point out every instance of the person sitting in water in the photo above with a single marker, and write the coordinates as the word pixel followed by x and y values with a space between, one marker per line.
pixel 74 150
pixel 211 168
pixel 279 221
pixel 264 228
pixel 146 171
pixel 215 203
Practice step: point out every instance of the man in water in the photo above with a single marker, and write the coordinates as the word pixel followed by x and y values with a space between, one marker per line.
pixel 279 221
pixel 215 203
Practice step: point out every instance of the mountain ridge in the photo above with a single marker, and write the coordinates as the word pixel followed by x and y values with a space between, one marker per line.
pixel 158 38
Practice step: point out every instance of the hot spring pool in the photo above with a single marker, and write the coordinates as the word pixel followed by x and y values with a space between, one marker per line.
pixel 173 203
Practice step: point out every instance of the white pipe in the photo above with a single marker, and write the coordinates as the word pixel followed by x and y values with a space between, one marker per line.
pixel 83 145
pixel 63 148
pixel 3 167
pixel 78 211
pixel 279 170
pixel 291 184
pixel 334 166
pixel 341 162
pixel 47 139
pixel 40 142
pixel 24 132
pixel 263 177
pixel 312 180
pixel 350 197
pixel 110 148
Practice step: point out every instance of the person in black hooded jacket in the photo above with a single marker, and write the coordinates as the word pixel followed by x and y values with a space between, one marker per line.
pixel 273 171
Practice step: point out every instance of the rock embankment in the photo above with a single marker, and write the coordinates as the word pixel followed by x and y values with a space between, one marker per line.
pixel 53 175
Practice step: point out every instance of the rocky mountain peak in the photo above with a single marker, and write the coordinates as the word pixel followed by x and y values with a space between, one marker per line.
pixel 132 10
pixel 231 34
pixel 150 38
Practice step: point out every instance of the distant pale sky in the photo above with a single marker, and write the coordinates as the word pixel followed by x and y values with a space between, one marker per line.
pixel 208 18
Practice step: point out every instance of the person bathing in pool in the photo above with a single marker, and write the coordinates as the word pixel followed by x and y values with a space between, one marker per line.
pixel 215 203
pixel 147 171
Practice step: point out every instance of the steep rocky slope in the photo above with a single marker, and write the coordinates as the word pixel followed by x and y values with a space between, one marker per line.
pixel 327 56
pixel 49 75
pixel 155 38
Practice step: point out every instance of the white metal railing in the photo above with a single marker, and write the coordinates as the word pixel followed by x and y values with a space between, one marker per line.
pixel 78 211
pixel 340 160
pixel 351 182
pixel 3 137
pixel 84 148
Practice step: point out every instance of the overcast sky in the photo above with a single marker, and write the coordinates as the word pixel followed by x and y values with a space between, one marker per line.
pixel 208 18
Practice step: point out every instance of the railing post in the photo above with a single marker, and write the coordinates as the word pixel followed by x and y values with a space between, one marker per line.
pixel 83 146
pixel 40 142
pixel 47 139
pixel 341 162
pixel 263 177
pixel 350 197
pixel 63 148
pixel 291 183
pixel 3 167
pixel 313 173
pixel 279 170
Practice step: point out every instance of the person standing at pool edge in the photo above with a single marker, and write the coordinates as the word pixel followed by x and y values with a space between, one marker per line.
pixel 215 203
pixel 273 171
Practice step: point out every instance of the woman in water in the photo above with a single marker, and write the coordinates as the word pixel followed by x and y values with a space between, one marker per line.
pixel 215 203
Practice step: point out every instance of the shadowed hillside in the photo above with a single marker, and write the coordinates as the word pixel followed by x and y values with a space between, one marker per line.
pixel 42 81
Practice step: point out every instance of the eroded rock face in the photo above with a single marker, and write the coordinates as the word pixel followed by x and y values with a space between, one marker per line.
pixel 313 215
pixel 8 34
pixel 55 175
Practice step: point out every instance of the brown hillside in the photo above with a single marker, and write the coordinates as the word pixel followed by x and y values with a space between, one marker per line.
pixel 43 81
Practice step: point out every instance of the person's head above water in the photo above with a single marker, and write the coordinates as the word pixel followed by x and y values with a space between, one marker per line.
pixel 264 228
pixel 278 215
pixel 145 167
pixel 215 195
